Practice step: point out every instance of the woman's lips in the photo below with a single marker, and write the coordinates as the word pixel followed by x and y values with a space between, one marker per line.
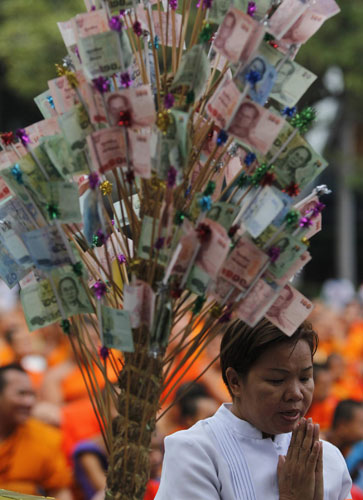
pixel 290 416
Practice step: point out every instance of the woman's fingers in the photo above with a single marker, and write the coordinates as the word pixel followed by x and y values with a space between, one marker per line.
pixel 319 481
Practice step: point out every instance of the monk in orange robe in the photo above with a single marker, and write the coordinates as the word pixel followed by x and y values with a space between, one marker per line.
pixel 31 460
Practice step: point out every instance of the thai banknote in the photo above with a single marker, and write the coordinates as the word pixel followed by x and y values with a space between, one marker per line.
pixel 292 80
pixel 139 302
pixel 219 8
pixel 108 149
pixel 91 23
pixel 75 126
pixel 289 310
pixel 104 54
pixel 5 192
pixel 243 264
pixel 64 196
pixel 238 36
pixel 148 238
pixel 254 306
pixel 260 91
pixel 11 272
pixel 214 249
pixel 60 154
pixel 138 103
pixel 41 129
pixel 291 248
pixel 117 332
pixel 223 213
pixel 46 248
pixel 163 27
pixel 71 291
pixel 253 125
pixel 297 162
pixel 198 281
pixel 45 104
pixel 39 305
pixel 193 71
pixel 285 16
pixel 261 211
pixel 140 147
pixel 309 22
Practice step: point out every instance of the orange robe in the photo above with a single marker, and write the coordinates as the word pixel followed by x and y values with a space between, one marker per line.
pixel 31 458
pixel 322 412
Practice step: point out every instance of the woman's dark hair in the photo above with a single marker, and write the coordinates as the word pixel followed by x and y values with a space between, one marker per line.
pixel 242 345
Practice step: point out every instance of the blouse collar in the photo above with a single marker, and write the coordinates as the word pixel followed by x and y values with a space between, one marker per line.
pixel 242 427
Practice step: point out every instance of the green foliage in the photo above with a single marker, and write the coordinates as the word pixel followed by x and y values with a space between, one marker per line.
pixel 338 43
pixel 30 42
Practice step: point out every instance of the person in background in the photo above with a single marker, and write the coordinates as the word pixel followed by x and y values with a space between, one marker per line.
pixel 31 459
pixel 323 404
pixel 347 434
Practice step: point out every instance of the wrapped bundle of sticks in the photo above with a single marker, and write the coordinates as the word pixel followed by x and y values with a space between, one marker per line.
pixel 155 202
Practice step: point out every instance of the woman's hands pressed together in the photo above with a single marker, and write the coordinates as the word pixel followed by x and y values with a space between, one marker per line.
pixel 300 473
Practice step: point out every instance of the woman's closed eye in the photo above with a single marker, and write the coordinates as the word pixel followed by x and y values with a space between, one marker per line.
pixel 275 381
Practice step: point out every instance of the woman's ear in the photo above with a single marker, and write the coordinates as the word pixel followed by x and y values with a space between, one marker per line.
pixel 234 382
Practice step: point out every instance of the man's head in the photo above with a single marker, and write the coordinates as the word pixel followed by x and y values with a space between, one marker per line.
pixel 322 382
pixel 347 423
pixel 68 290
pixel 17 396
pixel 195 403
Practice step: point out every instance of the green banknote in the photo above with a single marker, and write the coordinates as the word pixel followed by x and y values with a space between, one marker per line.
pixel 39 305
pixel 64 197
pixel 148 238
pixel 193 71
pixel 59 152
pixel 71 291
pixel 117 332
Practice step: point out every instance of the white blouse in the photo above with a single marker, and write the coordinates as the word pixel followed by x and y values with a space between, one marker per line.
pixel 226 458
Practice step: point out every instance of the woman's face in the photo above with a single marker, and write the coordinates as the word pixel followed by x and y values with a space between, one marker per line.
pixel 278 389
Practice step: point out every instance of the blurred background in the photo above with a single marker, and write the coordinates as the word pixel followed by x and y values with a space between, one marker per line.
pixel 30 45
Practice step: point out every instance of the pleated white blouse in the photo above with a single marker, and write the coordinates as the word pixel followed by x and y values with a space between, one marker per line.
pixel 226 458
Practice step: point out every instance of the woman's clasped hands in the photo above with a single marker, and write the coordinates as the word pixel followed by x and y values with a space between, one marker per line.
pixel 300 472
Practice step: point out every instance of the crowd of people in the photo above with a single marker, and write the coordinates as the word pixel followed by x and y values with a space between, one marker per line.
pixel 50 439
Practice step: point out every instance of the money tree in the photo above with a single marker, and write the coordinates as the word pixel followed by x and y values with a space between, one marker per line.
pixel 156 201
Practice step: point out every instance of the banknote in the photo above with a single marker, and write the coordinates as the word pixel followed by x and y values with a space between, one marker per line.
pixel 256 126
pixel 7 158
pixel 71 291
pixel 287 202
pixel 139 302
pixel 64 195
pixel 5 192
pixel 37 130
pixel 15 220
pixel 214 249
pixel 291 248
pixel 107 148
pixel 298 162
pixel 140 148
pixel 292 80
pixel 75 126
pixel 39 305
pixel 46 248
pixel 254 306
pixel 189 243
pixel 261 212
pixel 261 90
pixel 137 102
pixel 285 16
pixel 307 210
pixel 148 238
pixel 289 310
pixel 219 8
pixel 101 54
pixel 198 281
pixel 223 291
pixel 91 23
pixel 116 327
pixel 309 22
pixel 293 270
pixel 33 188
pixel 164 27
pixel 11 272
pixel 91 218
pixel 238 36
pixel 193 71
pixel 243 264
pixel 223 213
pixel 59 153
pixel 44 101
